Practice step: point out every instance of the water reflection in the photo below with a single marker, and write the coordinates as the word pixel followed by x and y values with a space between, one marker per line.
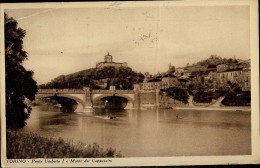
pixel 151 132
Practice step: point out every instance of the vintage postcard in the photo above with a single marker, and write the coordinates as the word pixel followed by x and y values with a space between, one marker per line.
pixel 129 83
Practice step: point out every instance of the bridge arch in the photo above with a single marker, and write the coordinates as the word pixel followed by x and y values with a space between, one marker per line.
pixel 130 98
pixel 78 100
pixel 98 97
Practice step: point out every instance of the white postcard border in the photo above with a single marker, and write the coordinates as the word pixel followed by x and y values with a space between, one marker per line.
pixel 147 161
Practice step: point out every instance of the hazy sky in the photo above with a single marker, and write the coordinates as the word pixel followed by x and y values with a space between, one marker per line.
pixel 63 41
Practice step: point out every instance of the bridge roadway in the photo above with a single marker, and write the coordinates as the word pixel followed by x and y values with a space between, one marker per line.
pixel 86 97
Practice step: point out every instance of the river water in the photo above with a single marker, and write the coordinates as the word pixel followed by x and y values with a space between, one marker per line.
pixel 141 133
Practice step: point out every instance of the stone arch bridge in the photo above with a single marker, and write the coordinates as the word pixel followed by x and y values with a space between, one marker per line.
pixel 86 98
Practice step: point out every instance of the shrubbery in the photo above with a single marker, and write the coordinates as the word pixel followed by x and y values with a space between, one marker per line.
pixel 207 97
pixel 242 99
pixel 178 94
pixel 201 97
pixel 30 145
pixel 237 97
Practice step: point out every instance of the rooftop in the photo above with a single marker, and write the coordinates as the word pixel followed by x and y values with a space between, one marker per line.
pixel 169 76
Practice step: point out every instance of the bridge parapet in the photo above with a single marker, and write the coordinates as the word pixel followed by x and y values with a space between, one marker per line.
pixel 71 91
pixel 112 91
pixel 80 91
pixel 40 91
pixel 64 91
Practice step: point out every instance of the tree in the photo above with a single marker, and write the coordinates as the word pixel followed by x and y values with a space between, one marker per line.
pixel 234 88
pixel 20 84
pixel 178 94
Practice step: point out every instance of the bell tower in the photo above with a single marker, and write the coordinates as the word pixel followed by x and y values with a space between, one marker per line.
pixel 108 58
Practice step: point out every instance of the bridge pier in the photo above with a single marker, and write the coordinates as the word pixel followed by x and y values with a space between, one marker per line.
pixel 129 105
pixel 157 91
pixel 87 108
pixel 88 102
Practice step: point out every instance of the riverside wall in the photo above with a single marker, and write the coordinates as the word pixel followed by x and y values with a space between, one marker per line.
pixel 168 102
pixel 147 99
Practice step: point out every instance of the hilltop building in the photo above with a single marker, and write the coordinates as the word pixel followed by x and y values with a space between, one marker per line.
pixel 108 61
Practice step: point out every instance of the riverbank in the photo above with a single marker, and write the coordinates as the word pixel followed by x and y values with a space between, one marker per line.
pixel 31 145
pixel 227 108
pixel 200 107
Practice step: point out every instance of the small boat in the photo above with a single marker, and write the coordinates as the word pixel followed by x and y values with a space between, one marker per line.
pixel 112 117
pixel 177 117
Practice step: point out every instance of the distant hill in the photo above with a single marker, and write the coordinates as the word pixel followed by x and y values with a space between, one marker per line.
pixel 123 78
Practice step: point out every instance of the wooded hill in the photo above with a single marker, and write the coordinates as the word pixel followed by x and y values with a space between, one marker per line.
pixel 123 77
pixel 216 60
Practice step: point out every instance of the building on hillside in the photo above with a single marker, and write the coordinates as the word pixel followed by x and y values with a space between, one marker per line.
pixel 179 71
pixel 222 67
pixel 164 82
pixel 169 80
pixel 235 73
pixel 247 80
pixel 186 72
pixel 193 69
pixel 108 61
pixel 158 75
pixel 231 75
pixel 147 76
pixel 151 84
pixel 225 67
pixel 211 68
pixel 183 83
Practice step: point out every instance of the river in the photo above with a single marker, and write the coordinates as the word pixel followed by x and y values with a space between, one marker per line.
pixel 141 133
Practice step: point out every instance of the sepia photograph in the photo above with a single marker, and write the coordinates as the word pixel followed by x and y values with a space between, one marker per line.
pixel 129 83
